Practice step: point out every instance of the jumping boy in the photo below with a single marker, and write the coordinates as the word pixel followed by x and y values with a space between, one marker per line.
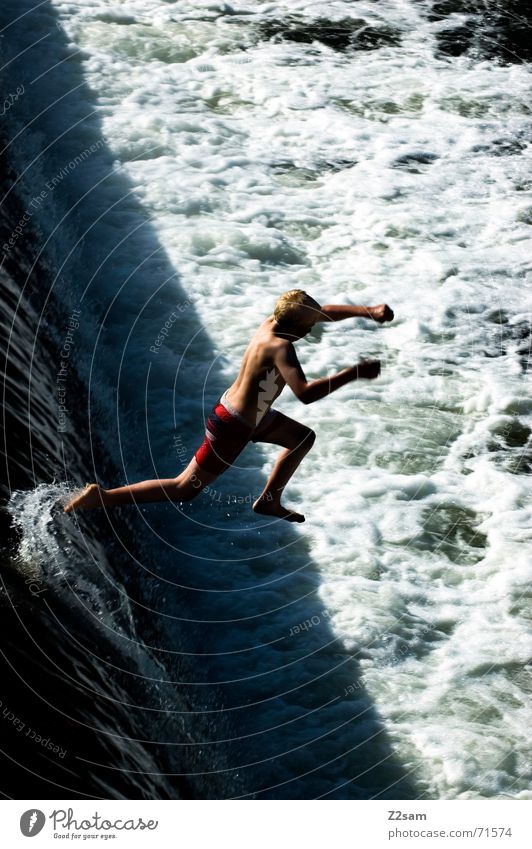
pixel 244 412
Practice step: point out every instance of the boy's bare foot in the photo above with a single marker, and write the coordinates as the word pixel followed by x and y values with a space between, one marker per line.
pixel 268 507
pixel 89 497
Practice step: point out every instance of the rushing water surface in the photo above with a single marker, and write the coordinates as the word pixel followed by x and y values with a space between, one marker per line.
pixel 174 167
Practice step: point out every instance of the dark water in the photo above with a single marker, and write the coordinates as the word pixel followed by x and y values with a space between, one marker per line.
pixel 66 726
pixel 497 30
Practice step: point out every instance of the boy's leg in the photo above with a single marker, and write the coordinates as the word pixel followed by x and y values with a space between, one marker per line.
pixel 297 440
pixel 184 487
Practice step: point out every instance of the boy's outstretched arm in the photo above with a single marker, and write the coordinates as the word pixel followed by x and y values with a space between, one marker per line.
pixel 337 312
pixel 309 391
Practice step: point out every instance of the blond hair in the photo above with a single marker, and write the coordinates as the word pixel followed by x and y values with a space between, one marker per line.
pixel 294 305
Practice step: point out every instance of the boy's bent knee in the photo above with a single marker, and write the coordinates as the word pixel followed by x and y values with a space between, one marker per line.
pixel 310 437
pixel 306 439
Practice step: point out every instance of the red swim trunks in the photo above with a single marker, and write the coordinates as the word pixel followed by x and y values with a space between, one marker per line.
pixel 226 435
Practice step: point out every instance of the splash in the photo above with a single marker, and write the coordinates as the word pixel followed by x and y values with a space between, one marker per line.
pixel 54 553
pixel 32 513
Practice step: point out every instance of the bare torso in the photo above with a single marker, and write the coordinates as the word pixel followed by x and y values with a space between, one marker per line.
pixel 259 382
